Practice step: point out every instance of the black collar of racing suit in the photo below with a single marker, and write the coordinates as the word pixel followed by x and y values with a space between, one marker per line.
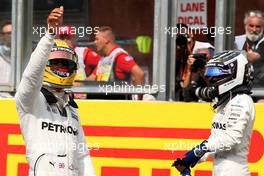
pixel 51 99
pixel 231 94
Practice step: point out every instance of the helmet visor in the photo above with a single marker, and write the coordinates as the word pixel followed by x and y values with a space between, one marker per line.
pixel 62 63
pixel 62 67
pixel 62 54
pixel 216 71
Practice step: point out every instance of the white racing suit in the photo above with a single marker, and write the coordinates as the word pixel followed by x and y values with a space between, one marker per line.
pixel 55 142
pixel 230 136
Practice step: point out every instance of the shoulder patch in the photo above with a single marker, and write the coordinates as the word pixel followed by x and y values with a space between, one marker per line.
pixel 129 58
pixel 94 53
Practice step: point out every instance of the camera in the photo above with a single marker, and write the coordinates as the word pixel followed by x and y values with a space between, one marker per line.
pixel 199 63
pixel 181 40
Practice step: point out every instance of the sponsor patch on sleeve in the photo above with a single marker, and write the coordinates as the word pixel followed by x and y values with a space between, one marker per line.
pixel 129 58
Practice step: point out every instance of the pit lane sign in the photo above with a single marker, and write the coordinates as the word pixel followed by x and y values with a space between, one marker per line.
pixel 192 12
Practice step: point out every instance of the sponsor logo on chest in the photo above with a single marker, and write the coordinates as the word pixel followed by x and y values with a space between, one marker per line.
pixel 58 128
pixel 218 125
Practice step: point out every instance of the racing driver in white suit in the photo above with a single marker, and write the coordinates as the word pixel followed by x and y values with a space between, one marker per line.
pixel 49 121
pixel 230 82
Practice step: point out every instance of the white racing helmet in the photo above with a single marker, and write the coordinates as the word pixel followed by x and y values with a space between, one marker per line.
pixel 229 71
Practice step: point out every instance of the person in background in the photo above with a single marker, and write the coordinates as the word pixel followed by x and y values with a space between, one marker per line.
pixel 5 57
pixel 195 76
pixel 186 46
pixel 5 47
pixel 253 42
pixel 116 64
pixel 200 58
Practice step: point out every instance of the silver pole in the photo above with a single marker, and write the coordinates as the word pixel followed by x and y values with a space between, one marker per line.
pixel 19 35
pixel 13 45
pixel 224 17
pixel 172 51
pixel 27 36
pixel 23 17
pixel 231 4
pixel 160 44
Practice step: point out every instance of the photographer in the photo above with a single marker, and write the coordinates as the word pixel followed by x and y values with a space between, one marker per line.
pixel 185 47
pixel 195 77
pixel 182 54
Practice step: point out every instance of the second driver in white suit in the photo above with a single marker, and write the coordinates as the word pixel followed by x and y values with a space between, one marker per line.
pixel 230 82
